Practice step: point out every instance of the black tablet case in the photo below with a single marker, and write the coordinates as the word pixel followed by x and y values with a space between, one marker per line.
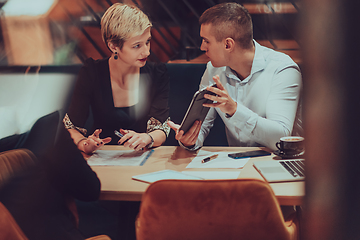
pixel 196 110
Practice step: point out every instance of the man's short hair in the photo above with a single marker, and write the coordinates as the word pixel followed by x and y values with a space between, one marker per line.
pixel 230 20
pixel 121 22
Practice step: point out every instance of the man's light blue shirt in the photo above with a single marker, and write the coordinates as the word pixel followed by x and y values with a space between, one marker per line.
pixel 267 100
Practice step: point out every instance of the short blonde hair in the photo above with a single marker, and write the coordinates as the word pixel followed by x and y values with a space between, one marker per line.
pixel 121 22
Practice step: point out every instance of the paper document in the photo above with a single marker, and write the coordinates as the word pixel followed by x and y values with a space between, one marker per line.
pixel 119 157
pixel 221 161
pixel 208 175
pixel 164 174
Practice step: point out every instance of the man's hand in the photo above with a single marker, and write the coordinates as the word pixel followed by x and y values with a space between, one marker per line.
pixel 223 101
pixel 190 137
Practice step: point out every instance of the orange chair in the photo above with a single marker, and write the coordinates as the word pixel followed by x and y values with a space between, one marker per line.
pixel 11 163
pixel 215 209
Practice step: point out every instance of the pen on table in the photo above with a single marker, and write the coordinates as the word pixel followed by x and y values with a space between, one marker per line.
pixel 205 160
pixel 120 135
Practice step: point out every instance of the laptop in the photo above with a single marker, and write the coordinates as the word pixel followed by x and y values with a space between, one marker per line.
pixel 281 170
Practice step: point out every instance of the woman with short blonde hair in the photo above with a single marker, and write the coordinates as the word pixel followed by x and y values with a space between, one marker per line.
pixel 126 93
pixel 121 22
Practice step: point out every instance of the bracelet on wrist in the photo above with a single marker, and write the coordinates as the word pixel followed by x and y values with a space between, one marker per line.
pixel 77 143
pixel 152 141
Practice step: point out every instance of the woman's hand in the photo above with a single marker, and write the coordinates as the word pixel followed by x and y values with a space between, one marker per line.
pixel 134 140
pixel 93 142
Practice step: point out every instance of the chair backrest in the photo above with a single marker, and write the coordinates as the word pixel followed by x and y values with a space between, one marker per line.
pixel 216 209
pixel 11 163
pixel 14 161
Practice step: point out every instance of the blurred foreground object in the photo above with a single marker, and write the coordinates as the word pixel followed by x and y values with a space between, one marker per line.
pixel 331 110
pixel 26 32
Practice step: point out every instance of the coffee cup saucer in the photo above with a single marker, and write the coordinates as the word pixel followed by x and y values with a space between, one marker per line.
pixel 284 155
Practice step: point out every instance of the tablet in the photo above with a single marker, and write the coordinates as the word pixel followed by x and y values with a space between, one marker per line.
pixel 196 110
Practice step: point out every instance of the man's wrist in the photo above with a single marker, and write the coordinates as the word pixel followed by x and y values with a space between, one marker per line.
pixel 190 148
pixel 230 114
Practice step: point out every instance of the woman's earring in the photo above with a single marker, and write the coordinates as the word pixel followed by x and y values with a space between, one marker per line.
pixel 116 56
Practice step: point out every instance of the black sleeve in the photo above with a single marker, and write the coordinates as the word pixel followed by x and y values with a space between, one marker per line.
pixel 161 87
pixel 78 111
pixel 69 171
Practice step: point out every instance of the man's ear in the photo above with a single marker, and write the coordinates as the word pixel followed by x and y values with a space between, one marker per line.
pixel 229 44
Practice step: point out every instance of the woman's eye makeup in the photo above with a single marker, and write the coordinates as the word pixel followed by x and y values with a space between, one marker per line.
pixel 138 45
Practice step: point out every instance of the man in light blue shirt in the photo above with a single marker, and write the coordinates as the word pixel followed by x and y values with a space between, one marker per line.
pixel 258 89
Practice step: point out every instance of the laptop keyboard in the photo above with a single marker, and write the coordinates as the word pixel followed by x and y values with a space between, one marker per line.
pixel 294 167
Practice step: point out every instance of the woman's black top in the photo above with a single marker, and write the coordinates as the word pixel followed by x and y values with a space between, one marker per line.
pixel 93 91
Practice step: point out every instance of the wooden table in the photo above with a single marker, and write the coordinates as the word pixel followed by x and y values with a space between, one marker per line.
pixel 116 182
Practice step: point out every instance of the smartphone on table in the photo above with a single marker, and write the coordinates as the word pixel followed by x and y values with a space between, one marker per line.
pixel 256 153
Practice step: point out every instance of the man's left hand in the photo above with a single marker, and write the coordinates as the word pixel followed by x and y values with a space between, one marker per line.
pixel 223 101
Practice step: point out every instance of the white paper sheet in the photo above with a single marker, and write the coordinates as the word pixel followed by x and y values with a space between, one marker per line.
pixel 119 157
pixel 214 174
pixel 222 161
pixel 164 174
